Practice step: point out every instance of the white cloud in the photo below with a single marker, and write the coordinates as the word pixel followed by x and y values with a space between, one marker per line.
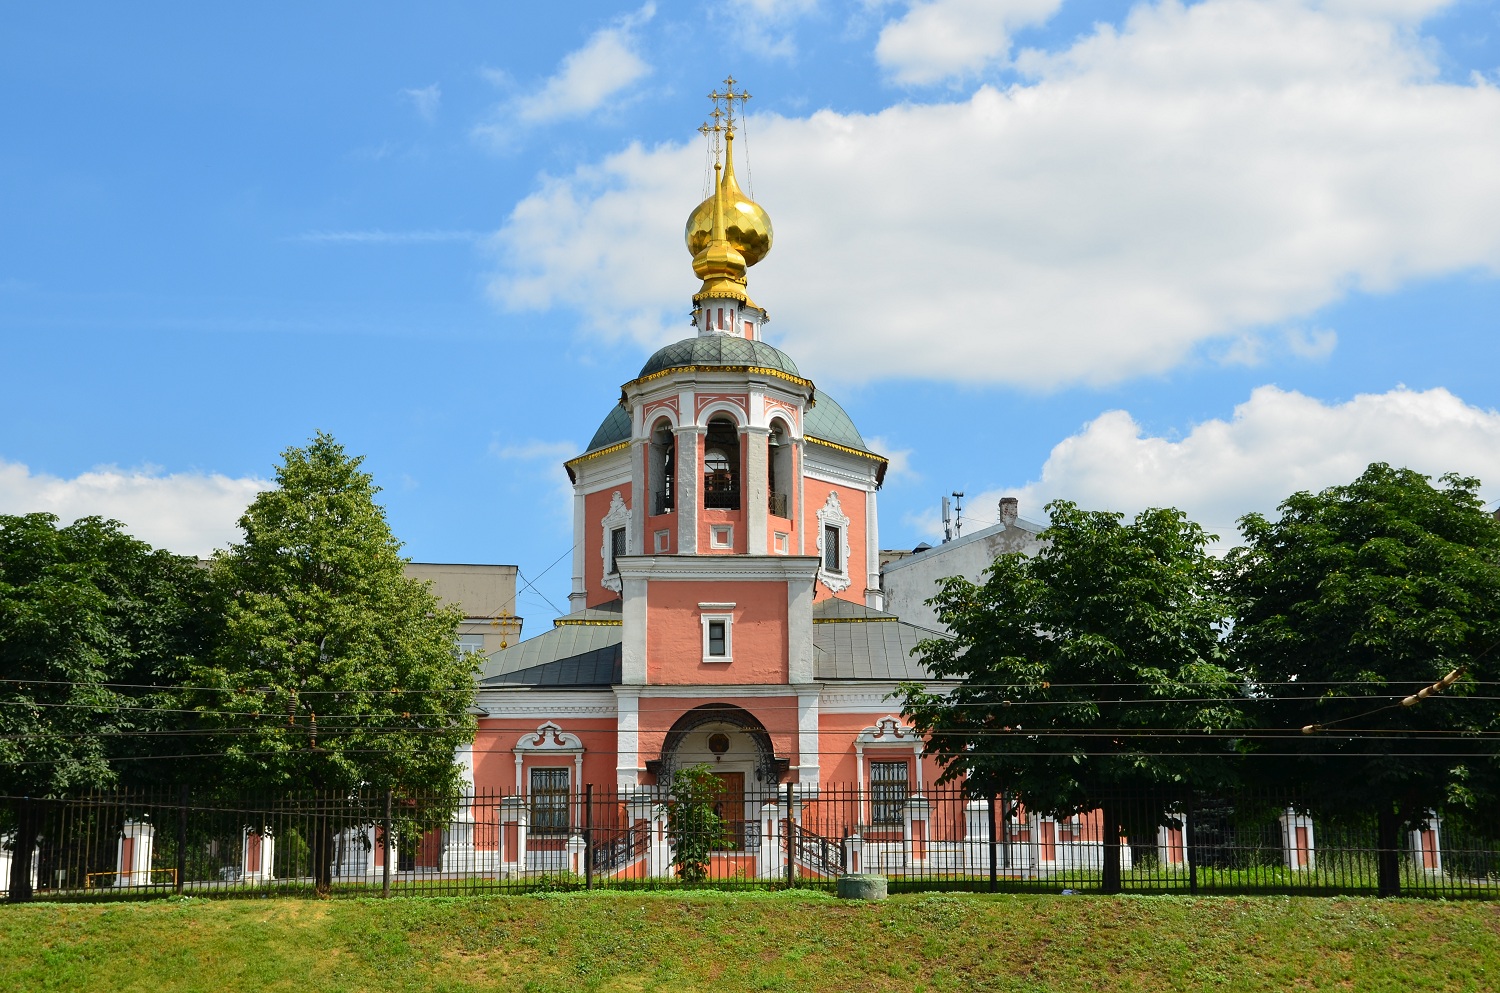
pixel 1202 173
pixel 899 469
pixel 425 100
pixel 766 26
pixel 607 63
pixel 190 513
pixel 937 40
pixel 1277 443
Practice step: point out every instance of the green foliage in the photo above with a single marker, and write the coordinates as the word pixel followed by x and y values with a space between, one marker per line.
pixel 1090 668
pixel 694 826
pixel 1354 598
pixel 80 607
pixel 336 672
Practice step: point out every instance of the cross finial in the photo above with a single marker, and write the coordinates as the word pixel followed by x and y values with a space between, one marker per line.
pixel 723 114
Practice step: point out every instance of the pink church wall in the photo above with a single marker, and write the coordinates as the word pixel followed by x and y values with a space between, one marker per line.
pixel 595 506
pixel 837 732
pixel 674 632
pixel 495 757
pixel 852 502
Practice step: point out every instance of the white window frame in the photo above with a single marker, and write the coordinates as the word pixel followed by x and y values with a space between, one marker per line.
pixel 618 517
pixel 831 515
pixel 663 542
pixel 713 613
pixel 724 530
pixel 780 542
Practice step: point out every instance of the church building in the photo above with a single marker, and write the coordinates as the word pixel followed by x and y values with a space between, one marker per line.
pixel 726 601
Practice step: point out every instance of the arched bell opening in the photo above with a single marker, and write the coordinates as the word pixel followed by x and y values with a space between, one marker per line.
pixel 663 465
pixel 779 469
pixel 721 465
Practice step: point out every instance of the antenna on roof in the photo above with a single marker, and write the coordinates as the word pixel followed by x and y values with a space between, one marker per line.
pixel 958 513
pixel 947 521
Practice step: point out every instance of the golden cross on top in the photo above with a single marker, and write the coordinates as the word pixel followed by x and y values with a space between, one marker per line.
pixel 723 113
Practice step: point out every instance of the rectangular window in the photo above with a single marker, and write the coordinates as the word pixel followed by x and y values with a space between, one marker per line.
pixel 888 791
pixel 616 549
pixel 718 634
pixel 833 553
pixel 469 643
pixel 549 801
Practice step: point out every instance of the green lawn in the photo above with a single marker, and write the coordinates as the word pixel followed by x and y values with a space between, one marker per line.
pixel 753 941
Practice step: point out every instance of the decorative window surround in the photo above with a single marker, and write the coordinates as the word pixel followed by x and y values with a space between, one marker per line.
pixel 780 543
pixel 547 741
pixel 721 536
pixel 889 734
pixel 663 542
pixel 618 517
pixel 831 515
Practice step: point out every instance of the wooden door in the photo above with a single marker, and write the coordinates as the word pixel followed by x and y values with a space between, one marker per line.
pixel 730 806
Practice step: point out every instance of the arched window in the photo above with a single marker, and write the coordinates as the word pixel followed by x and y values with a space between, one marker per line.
pixel 663 467
pixel 779 470
pixel 721 465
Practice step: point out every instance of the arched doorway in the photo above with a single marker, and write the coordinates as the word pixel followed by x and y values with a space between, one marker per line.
pixel 732 742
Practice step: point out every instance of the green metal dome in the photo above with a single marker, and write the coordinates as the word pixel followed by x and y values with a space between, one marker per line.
pixel 827 420
pixel 720 349
pixel 616 428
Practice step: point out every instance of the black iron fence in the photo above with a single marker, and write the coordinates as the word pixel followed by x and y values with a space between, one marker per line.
pixel 124 845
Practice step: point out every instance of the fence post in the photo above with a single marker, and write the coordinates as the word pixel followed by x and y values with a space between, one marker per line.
pixel 1187 844
pixel 791 841
pixel 588 836
pixel 385 842
pixel 994 871
pixel 182 815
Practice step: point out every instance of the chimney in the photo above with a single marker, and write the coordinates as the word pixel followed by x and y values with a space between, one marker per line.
pixel 1009 510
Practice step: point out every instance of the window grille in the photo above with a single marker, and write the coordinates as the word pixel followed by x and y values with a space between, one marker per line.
pixel 616 549
pixel 833 552
pixel 888 790
pixel 549 801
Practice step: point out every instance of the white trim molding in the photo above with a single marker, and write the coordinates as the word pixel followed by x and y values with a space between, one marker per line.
pixel 831 515
pixel 548 739
pixel 618 517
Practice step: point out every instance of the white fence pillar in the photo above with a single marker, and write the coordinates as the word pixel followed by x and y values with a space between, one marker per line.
pixel 1297 842
pixel 133 854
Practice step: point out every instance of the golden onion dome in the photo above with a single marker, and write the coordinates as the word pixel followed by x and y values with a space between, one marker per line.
pixel 747 227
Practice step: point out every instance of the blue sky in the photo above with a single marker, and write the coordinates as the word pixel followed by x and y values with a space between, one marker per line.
pixel 1130 254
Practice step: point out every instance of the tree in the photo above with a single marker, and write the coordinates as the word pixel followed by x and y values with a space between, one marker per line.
pixel 693 825
pixel 1091 669
pixel 94 627
pixel 1353 599
pixel 336 672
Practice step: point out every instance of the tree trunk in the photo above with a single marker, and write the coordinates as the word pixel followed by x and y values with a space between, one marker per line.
pixel 1388 855
pixel 1110 815
pixel 322 857
pixel 23 852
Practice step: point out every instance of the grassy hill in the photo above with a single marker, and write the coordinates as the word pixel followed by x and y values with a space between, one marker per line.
pixel 758 941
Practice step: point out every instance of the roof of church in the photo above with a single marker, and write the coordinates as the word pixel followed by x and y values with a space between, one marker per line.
pixel 582 651
pixel 720 349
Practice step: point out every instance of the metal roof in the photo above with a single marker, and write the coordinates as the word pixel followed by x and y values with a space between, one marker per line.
pixel 720 349
pixel 876 647
pixel 565 641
